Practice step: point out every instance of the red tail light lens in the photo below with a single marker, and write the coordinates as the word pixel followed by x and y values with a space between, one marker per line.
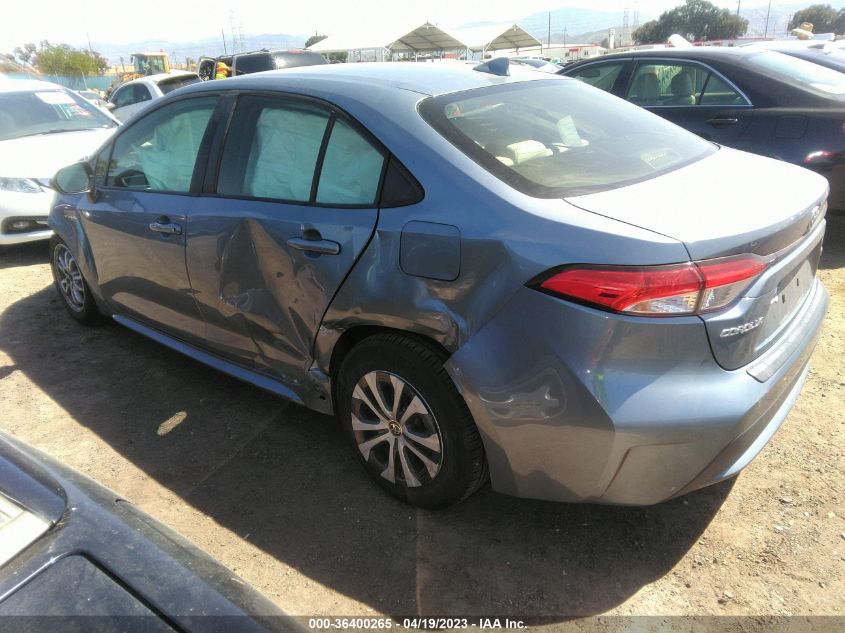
pixel 676 289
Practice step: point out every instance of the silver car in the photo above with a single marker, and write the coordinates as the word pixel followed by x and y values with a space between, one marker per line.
pixel 483 273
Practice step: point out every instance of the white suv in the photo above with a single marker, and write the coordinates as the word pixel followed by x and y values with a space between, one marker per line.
pixel 43 127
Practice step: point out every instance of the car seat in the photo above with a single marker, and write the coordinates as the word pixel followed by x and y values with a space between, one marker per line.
pixel 682 90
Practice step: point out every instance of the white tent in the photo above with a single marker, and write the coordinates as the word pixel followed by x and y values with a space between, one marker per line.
pixel 497 37
pixel 425 38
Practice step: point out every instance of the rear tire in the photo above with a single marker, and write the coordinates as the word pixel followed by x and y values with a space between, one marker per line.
pixel 407 423
pixel 73 290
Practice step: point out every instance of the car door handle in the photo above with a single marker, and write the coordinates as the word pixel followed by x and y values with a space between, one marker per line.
pixel 324 247
pixel 722 121
pixel 168 228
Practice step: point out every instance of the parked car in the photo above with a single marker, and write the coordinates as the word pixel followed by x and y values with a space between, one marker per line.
pixel 259 61
pixel 472 268
pixel 833 58
pixel 43 126
pixel 92 96
pixel 135 95
pixel 78 555
pixel 761 101
pixel 537 64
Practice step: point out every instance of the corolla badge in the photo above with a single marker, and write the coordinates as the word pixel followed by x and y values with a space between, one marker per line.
pixel 741 329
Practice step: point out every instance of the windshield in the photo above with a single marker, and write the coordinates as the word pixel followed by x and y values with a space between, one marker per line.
pixel 801 73
pixel 561 137
pixel 47 112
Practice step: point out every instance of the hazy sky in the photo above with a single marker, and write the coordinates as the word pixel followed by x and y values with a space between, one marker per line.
pixel 116 22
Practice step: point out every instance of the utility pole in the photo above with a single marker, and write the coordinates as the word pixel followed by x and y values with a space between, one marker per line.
pixel 768 11
pixel 223 33
pixel 564 36
pixel 738 2
pixel 549 44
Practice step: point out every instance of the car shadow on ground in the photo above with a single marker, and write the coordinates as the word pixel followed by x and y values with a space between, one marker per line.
pixel 833 253
pixel 24 254
pixel 282 478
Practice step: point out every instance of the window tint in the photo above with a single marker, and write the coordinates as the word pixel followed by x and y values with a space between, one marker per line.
pixel 247 64
pixel 101 166
pixel 158 153
pixel 561 138
pixel 719 92
pixel 599 75
pixel 271 149
pixel 141 93
pixel 123 97
pixel 667 84
pixel 351 168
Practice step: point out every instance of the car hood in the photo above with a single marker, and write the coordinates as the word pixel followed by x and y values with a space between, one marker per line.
pixel 42 156
pixel 727 203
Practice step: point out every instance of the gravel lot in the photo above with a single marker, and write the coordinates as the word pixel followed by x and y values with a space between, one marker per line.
pixel 273 492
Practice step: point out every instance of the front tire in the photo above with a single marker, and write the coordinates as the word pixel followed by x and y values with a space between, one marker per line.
pixel 408 424
pixel 71 285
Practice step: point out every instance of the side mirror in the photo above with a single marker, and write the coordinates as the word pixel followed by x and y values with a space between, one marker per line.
pixel 74 178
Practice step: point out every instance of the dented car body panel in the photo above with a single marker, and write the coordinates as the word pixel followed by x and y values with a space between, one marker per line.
pixel 572 403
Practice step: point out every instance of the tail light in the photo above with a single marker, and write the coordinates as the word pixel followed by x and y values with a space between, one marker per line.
pixel 690 288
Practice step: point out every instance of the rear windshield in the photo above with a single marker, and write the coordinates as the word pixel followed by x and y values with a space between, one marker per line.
pixel 801 73
pixel 170 85
pixel 561 137
pixel 248 64
pixel 47 112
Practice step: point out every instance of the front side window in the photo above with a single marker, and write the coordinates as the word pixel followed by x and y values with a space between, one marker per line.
pixel 601 76
pixel 47 112
pixel 159 152
pixel 561 138
pixel 124 96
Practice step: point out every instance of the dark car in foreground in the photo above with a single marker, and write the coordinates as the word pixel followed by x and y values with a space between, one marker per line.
pixel 478 270
pixel 753 99
pixel 76 557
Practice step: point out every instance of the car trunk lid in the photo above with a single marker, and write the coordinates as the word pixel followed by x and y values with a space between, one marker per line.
pixel 727 204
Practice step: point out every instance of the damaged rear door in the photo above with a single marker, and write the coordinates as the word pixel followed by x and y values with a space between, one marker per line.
pixel 291 209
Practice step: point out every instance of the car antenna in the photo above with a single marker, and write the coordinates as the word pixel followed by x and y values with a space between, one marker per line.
pixel 499 66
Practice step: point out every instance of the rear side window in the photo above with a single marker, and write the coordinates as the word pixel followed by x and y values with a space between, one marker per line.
pixel 295 151
pixel 351 168
pixel 601 76
pixel 159 152
pixel 667 84
pixel 719 92
pixel 272 149
pixel 560 137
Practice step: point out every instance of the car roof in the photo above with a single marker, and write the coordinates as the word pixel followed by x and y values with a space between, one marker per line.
pixel 693 52
pixel 424 78
pixel 28 85
pixel 157 79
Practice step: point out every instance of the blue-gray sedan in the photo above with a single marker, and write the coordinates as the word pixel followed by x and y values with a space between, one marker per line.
pixel 483 274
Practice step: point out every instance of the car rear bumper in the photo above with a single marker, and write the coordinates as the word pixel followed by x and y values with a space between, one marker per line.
pixel 578 405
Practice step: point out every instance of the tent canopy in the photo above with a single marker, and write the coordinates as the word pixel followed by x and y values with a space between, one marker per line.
pixel 497 37
pixel 425 38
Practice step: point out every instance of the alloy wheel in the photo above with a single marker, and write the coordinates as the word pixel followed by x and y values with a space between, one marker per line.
pixel 69 278
pixel 395 430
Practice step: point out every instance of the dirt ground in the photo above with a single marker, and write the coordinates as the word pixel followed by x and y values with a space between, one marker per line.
pixel 273 492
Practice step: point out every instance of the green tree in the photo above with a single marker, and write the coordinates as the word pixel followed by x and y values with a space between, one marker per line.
pixel 314 39
pixel 823 17
pixel 694 20
pixel 63 59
